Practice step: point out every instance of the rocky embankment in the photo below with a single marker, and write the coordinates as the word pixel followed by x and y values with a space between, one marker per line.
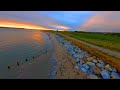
pixel 91 65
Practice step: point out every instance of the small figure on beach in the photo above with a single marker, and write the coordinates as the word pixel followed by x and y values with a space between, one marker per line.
pixel 8 67
pixel 18 63
pixel 46 51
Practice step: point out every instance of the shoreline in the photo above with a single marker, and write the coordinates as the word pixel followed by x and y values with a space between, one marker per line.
pixel 94 67
pixel 65 62
pixel 35 68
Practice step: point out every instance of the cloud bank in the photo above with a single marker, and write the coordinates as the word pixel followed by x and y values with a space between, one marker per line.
pixel 103 21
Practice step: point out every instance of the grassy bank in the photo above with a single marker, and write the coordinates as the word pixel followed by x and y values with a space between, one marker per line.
pixel 113 61
pixel 109 41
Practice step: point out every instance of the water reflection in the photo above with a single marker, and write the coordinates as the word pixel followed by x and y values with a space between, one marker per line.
pixel 37 36
pixel 19 45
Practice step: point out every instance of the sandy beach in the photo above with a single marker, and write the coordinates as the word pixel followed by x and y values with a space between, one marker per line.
pixel 65 62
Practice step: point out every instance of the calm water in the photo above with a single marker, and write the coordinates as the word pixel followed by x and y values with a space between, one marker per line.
pixel 17 45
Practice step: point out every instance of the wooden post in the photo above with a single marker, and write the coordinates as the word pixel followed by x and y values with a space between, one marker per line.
pixel 8 67
pixel 18 63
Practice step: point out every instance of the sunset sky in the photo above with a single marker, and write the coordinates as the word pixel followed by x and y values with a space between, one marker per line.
pixel 96 21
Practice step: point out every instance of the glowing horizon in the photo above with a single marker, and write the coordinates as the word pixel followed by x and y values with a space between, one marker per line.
pixel 14 24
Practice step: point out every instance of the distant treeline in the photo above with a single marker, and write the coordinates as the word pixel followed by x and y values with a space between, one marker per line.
pixel 105 33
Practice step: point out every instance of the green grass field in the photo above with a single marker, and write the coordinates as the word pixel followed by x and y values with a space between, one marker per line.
pixel 109 40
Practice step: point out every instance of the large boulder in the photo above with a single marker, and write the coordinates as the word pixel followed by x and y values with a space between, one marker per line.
pixel 90 59
pixel 91 64
pixel 108 67
pixel 95 61
pixel 101 62
pixel 105 74
pixel 79 51
pixel 84 69
pixel 85 66
pixel 115 75
pixel 96 70
pixel 92 76
pixel 80 55
pixel 75 56
pixel 90 71
pixel 79 65
pixel 81 61
pixel 100 65
pixel 106 71
pixel 84 59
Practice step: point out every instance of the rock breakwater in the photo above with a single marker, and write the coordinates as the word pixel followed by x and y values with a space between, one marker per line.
pixel 91 65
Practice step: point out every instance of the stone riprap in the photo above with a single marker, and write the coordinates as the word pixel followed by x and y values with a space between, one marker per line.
pixel 91 65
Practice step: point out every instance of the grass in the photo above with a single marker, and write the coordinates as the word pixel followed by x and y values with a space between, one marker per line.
pixel 109 41
pixel 113 61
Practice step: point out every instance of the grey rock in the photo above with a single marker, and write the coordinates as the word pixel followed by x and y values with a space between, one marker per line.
pixel 106 71
pixel 85 66
pixel 100 65
pixel 95 61
pixel 101 62
pixel 90 59
pixel 75 56
pixel 108 67
pixel 83 69
pixel 96 70
pixel 92 76
pixel 105 74
pixel 79 65
pixel 115 75
pixel 82 62
pixel 90 71
pixel 91 64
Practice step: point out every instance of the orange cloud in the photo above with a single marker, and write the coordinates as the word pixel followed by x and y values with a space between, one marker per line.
pixel 14 24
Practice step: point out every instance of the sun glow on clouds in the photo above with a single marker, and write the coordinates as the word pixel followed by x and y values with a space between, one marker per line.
pixel 14 24
pixel 103 21
pixel 61 27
